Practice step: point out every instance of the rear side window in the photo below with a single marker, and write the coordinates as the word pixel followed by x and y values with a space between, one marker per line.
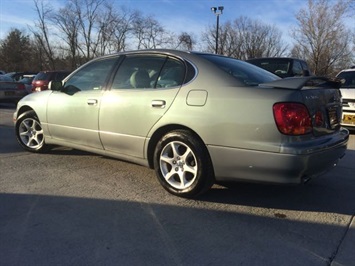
pixel 138 72
pixel 149 72
pixel 171 75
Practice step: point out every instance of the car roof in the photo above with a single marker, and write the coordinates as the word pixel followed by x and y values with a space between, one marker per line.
pixel 274 58
pixel 52 71
pixel 348 70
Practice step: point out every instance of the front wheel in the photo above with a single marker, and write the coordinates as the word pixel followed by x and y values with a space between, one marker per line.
pixel 29 132
pixel 182 164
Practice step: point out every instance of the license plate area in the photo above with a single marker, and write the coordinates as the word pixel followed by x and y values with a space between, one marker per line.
pixel 9 93
pixel 349 119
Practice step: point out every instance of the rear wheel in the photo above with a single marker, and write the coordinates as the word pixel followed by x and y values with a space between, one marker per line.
pixel 29 132
pixel 182 164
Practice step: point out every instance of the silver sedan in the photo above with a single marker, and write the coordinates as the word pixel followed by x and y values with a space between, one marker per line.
pixel 195 118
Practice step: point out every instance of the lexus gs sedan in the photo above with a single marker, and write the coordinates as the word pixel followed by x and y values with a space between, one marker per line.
pixel 195 118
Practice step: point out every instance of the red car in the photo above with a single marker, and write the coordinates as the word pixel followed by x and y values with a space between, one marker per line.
pixel 42 79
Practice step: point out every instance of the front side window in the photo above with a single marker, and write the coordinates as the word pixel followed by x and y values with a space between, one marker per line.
pixel 149 72
pixel 93 76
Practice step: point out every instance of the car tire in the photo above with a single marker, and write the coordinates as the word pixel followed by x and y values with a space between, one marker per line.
pixel 29 132
pixel 182 164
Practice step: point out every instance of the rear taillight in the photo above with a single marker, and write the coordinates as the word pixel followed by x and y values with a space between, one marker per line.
pixel 21 86
pixel 292 118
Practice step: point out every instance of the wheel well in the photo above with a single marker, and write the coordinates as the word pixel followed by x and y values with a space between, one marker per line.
pixel 159 134
pixel 23 109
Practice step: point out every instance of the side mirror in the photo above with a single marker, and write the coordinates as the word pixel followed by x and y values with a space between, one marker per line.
pixel 55 85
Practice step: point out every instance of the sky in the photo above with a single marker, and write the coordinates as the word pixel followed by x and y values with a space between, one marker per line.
pixel 191 16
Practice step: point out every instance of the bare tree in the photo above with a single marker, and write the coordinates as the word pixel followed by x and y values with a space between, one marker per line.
pixel 68 24
pixel 185 41
pixel 228 44
pixel 259 40
pixel 321 37
pixel 41 34
pixel 114 28
pixel 87 12
pixel 246 38
pixel 150 34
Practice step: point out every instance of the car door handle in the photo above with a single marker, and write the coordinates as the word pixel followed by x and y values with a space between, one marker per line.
pixel 158 103
pixel 92 102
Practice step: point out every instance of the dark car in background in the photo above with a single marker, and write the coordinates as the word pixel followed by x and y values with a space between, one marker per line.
pixel 282 66
pixel 11 91
pixel 42 79
pixel 17 76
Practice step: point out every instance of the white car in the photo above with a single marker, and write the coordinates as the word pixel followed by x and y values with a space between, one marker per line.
pixel 348 94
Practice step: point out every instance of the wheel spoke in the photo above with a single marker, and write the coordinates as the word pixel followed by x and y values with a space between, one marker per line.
pixel 174 147
pixel 190 169
pixel 25 124
pixel 169 176
pixel 167 159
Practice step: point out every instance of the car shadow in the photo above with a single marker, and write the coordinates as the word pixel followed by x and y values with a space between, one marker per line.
pixel 57 230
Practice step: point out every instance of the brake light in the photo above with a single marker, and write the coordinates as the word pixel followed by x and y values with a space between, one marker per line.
pixel 21 86
pixel 292 118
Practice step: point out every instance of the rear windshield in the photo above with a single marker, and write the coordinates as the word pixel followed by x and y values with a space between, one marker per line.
pixel 278 66
pixel 247 73
pixel 348 79
pixel 51 75
pixel 61 75
pixel 42 76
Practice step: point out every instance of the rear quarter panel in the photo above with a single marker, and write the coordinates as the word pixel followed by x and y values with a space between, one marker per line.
pixel 239 117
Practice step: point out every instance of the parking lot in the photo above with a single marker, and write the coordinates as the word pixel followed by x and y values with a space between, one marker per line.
pixel 69 207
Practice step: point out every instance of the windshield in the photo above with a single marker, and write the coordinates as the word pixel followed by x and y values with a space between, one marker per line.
pixel 348 79
pixel 247 73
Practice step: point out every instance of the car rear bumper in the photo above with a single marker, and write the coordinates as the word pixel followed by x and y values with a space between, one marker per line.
pixel 11 96
pixel 231 164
